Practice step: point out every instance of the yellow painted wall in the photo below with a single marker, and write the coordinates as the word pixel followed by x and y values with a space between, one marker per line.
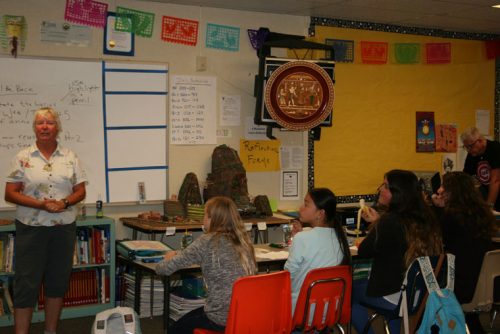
pixel 374 110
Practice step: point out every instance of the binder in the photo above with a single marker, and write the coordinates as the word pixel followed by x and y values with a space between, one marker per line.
pixel 132 249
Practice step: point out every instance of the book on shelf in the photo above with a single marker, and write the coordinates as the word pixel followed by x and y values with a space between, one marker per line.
pixel 7 250
pixel 6 305
pixel 92 246
pixel 85 287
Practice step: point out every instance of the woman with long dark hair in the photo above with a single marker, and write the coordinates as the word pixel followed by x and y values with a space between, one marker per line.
pixel 468 225
pixel 324 245
pixel 405 231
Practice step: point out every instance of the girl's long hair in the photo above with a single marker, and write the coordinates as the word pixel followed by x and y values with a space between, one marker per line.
pixel 464 201
pixel 423 234
pixel 225 222
pixel 325 199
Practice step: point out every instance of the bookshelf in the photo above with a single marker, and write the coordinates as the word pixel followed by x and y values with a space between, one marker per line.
pixel 97 265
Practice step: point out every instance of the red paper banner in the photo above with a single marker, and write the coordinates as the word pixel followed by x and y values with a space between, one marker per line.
pixel 492 49
pixel 438 53
pixel 374 52
pixel 178 30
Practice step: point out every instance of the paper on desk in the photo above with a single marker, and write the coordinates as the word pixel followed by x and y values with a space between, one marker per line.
pixel 271 255
pixel 170 230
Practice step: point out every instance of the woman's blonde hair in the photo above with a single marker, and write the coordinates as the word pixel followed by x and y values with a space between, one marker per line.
pixel 225 221
pixel 47 111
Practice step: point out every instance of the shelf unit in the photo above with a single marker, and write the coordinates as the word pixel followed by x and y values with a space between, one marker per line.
pixel 81 310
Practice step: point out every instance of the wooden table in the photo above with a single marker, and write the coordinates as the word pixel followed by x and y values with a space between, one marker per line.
pixel 153 227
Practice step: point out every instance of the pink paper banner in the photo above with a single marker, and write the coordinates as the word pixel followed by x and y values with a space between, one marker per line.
pixel 86 12
pixel 438 53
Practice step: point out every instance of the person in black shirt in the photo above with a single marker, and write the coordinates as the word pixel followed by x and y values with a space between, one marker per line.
pixel 483 162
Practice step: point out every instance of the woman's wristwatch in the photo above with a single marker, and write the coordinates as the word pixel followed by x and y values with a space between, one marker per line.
pixel 66 203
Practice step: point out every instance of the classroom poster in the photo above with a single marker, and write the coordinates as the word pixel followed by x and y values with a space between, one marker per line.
pixel 425 131
pixel 260 155
pixel 289 185
pixel 192 110
pixel 446 138
pixel 449 163
pixel 230 110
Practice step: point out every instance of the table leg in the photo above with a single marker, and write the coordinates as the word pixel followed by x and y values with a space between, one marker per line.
pixel 137 288
pixel 151 296
pixel 166 303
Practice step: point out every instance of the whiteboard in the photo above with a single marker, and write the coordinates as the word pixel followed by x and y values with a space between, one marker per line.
pixel 136 140
pixel 74 90
pixel 78 91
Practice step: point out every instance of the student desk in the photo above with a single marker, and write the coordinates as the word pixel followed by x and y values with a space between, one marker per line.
pixel 153 227
pixel 141 269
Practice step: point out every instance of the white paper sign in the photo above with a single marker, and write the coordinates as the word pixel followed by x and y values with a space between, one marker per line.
pixel 253 131
pixel 230 110
pixel 292 157
pixel 289 185
pixel 192 110
pixel 483 121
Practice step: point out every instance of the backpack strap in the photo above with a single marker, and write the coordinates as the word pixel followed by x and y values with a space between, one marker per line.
pixel 404 303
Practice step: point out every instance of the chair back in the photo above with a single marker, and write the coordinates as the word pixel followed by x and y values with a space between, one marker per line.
pixel 261 304
pixel 483 294
pixel 324 299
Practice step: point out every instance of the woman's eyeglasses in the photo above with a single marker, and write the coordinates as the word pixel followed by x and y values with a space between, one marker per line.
pixel 383 186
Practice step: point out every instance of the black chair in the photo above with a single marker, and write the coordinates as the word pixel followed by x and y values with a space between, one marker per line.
pixel 416 294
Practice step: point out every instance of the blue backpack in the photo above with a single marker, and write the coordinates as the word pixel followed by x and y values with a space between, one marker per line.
pixel 443 313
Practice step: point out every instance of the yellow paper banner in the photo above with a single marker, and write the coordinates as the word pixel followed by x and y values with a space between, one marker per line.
pixel 260 155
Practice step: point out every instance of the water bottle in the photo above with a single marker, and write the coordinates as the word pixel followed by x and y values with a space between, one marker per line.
pixel 186 240
pixel 287 234
pixel 98 208
pixel 84 212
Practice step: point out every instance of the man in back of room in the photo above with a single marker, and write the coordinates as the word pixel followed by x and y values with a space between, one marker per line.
pixel 483 162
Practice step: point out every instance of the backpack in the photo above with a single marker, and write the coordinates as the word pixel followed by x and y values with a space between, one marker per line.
pixel 228 177
pixel 443 313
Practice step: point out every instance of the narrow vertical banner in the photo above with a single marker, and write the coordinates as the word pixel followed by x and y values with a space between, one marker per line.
pixel 425 131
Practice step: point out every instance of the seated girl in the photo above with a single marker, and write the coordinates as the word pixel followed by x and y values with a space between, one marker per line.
pixel 324 245
pixel 468 225
pixel 224 253
pixel 407 229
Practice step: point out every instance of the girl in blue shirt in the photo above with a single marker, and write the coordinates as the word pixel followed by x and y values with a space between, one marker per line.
pixel 324 245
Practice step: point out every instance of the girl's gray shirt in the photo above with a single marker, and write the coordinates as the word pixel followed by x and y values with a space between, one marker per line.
pixel 220 265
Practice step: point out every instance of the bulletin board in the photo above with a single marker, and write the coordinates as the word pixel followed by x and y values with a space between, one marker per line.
pixel 109 112
pixel 374 114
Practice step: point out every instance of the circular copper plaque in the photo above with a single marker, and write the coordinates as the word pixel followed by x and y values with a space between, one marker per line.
pixel 299 95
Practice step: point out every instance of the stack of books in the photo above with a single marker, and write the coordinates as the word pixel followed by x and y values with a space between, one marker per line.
pixel 148 307
pixel 180 304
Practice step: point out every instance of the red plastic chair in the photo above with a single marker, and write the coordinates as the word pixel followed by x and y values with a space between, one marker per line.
pixel 324 300
pixel 259 304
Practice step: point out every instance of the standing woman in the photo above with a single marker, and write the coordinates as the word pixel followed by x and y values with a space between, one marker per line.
pixel 325 245
pixel 45 181
pixel 468 225
pixel 224 253
pixel 405 231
